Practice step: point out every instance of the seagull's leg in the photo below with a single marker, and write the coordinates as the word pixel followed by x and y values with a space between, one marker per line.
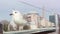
pixel 8 27
pixel 20 28
pixel 17 27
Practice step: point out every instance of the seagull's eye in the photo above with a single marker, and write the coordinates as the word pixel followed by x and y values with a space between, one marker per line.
pixel 15 12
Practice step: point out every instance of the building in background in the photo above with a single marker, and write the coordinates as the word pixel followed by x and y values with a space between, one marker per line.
pixel 52 18
pixel 33 17
pixel 55 19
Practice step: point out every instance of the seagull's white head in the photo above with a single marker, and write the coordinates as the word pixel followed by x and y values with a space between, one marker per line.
pixel 15 13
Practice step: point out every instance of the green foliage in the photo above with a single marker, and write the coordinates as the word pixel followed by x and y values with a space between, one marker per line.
pixel 5 27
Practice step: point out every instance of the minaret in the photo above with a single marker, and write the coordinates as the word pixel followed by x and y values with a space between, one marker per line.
pixel 43 21
pixel 43 12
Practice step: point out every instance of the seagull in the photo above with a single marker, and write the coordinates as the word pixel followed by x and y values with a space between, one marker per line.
pixel 18 19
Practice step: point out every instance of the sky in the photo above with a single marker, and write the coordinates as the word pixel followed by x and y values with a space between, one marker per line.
pixel 25 6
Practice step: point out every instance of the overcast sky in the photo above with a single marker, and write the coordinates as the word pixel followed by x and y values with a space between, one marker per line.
pixel 7 5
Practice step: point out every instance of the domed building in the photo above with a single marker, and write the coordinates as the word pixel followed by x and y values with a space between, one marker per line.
pixel 33 16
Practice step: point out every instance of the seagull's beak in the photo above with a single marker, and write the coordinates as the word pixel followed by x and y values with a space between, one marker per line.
pixel 11 14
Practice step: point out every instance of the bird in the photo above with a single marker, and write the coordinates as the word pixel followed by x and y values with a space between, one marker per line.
pixel 18 19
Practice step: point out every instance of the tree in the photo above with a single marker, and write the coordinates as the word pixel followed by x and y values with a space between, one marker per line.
pixel 5 24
